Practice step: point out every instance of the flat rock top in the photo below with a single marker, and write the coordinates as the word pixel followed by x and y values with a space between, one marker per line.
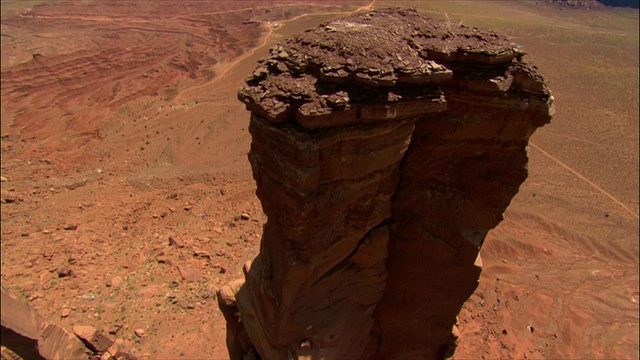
pixel 325 66
pixel 388 41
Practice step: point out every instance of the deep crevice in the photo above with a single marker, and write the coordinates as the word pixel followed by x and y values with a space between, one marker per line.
pixel 346 262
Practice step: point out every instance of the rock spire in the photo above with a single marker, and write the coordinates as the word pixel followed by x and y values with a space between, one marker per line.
pixel 385 146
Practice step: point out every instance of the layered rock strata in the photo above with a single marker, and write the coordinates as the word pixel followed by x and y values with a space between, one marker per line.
pixel 384 147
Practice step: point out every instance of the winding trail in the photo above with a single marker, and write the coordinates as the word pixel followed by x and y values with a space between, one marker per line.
pixel 264 42
pixel 231 65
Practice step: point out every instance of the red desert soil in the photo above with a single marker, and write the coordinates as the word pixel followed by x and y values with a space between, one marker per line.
pixel 121 130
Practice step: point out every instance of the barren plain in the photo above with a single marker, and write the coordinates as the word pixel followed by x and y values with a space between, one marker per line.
pixel 121 130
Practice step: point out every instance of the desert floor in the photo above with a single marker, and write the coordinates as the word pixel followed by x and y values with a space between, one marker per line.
pixel 121 130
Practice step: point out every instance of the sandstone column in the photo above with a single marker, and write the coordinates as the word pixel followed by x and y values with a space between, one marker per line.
pixel 385 146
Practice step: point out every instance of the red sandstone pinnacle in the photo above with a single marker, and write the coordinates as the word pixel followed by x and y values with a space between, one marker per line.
pixel 384 147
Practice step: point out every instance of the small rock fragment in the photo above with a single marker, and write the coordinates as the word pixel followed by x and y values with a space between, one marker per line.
pixel 84 331
pixel 36 295
pixel 65 313
pixel 9 197
pixel 140 333
pixel 70 227
pixel 188 273
pixel 185 305
pixel 65 272
pixel 115 281
pixel 530 328
pixel 164 260
pixel 93 338
pixel 113 330
pixel 201 253
pixel 175 242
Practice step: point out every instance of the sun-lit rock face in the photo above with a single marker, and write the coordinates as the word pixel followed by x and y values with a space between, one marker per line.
pixel 385 146
pixel 27 335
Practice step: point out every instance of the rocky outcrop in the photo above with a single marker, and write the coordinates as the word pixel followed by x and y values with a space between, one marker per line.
pixel 26 335
pixel 385 146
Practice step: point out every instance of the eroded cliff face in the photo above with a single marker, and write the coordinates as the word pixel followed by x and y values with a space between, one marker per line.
pixel 385 146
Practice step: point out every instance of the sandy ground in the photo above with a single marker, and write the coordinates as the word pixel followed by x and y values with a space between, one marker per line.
pixel 121 130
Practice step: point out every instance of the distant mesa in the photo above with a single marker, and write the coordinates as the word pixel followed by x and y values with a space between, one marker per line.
pixel 593 4
pixel 622 3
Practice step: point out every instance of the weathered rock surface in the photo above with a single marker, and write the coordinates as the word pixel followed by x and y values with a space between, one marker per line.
pixel 26 335
pixel 385 146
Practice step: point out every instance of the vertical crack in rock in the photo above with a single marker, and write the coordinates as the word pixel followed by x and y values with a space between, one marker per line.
pixel 384 147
